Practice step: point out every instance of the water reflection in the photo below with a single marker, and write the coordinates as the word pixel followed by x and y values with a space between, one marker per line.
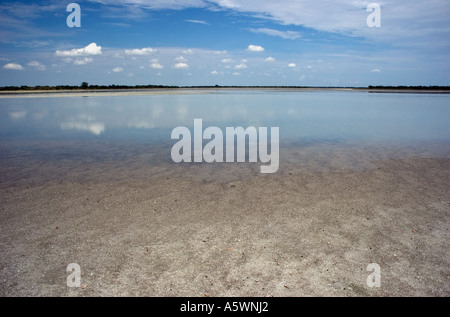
pixel 118 137
pixel 300 115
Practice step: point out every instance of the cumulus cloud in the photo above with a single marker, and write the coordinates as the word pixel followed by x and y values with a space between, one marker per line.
pixel 226 60
pixel 270 59
pixel 292 65
pixel 140 51
pixel 181 66
pixel 214 72
pixel 13 66
pixel 255 48
pixel 117 70
pixel 83 61
pixel 291 35
pixel 91 49
pixel 180 59
pixel 156 65
pixel 240 66
pixel 37 65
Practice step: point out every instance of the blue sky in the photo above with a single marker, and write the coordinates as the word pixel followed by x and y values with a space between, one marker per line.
pixel 225 42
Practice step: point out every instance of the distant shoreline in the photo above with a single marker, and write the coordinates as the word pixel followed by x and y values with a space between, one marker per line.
pixel 52 92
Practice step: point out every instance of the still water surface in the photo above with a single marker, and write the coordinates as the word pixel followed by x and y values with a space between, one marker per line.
pixel 119 128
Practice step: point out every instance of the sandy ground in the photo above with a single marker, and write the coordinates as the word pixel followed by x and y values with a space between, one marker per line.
pixel 177 91
pixel 225 230
pixel 97 93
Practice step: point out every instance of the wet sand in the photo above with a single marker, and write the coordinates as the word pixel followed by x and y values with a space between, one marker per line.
pixel 141 226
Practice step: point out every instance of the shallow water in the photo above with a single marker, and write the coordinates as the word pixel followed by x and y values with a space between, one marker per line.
pixel 326 129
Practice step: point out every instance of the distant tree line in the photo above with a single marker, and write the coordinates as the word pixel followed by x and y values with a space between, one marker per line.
pixel 411 87
pixel 84 85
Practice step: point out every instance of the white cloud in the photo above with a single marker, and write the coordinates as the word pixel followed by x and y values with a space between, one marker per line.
pixel 404 23
pixel 270 59
pixel 188 52
pixel 226 60
pixel 83 61
pixel 214 72
pixel 160 4
pixel 376 70
pixel 197 21
pixel 37 65
pixel 291 35
pixel 156 65
pixel 181 66
pixel 255 48
pixel 240 66
pixel 401 19
pixel 237 74
pixel 292 65
pixel 180 59
pixel 117 70
pixel 345 15
pixel 13 66
pixel 91 49
pixel 140 51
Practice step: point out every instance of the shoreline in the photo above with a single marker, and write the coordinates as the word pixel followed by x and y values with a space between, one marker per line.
pixel 197 90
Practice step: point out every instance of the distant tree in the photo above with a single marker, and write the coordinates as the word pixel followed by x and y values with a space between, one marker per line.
pixel 84 85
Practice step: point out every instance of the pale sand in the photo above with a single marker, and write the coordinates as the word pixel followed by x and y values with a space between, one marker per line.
pixel 199 90
pixel 98 93
pixel 137 228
